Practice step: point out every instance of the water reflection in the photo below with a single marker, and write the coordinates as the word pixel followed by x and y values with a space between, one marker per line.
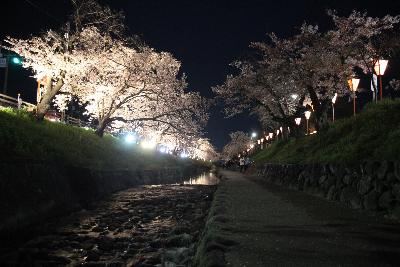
pixel 207 178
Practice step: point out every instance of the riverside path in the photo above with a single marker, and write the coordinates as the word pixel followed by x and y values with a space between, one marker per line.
pixel 273 226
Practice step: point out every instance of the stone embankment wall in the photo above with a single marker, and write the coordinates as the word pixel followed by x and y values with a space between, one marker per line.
pixel 31 193
pixel 372 186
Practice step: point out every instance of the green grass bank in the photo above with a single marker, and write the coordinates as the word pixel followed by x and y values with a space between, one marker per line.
pixel 372 135
pixel 22 138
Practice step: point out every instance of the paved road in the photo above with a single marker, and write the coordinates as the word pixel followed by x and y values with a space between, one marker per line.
pixel 278 227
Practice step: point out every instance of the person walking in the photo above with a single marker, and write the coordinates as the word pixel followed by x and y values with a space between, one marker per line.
pixel 247 163
pixel 242 164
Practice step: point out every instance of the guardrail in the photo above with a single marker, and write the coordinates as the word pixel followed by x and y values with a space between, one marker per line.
pixel 8 101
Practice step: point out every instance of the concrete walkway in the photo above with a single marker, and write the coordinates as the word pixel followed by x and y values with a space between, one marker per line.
pixel 274 226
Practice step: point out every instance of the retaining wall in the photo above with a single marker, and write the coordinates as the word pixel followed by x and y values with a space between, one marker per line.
pixel 32 192
pixel 372 186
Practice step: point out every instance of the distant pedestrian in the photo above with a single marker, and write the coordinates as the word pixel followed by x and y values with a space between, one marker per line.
pixel 242 164
pixel 19 101
pixel 247 163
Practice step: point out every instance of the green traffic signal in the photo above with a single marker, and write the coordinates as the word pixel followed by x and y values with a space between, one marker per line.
pixel 16 60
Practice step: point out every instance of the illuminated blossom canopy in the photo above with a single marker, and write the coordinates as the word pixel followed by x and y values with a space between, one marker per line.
pixel 312 65
pixel 123 83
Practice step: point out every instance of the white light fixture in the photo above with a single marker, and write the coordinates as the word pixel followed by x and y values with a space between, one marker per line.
pixel 353 84
pixel 380 66
pixel 297 121
pixel 333 106
pixel 334 98
pixel 130 138
pixel 308 115
pixel 149 144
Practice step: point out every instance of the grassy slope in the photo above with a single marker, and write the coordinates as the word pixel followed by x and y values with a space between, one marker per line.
pixel 22 138
pixel 373 134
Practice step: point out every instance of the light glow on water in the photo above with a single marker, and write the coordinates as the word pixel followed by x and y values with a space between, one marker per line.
pixel 207 178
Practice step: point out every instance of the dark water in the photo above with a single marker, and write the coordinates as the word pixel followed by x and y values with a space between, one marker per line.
pixel 207 178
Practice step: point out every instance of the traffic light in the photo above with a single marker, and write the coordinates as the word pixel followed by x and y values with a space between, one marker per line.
pixel 16 60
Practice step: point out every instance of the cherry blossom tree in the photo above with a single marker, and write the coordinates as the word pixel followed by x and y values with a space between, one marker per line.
pixel 307 66
pixel 56 55
pixel 204 150
pixel 239 142
pixel 137 85
pixel 362 40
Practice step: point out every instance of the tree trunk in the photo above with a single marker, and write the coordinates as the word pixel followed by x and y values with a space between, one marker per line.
pixel 321 108
pixel 322 116
pixel 103 123
pixel 44 104
pixel 100 129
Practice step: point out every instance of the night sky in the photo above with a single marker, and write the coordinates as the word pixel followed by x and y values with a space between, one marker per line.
pixel 204 35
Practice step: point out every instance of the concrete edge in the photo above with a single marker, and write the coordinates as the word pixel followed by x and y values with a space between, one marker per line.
pixel 214 241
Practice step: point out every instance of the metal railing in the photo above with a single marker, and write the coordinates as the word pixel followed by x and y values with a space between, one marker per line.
pixel 9 101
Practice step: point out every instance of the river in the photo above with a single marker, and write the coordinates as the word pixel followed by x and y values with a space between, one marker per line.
pixel 207 178
pixel 156 225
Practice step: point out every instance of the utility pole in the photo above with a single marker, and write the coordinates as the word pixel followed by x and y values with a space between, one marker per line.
pixel 5 85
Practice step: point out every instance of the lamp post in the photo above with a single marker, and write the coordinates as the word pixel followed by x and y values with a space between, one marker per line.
pixel 380 67
pixel 307 114
pixel 297 121
pixel 353 84
pixel 333 106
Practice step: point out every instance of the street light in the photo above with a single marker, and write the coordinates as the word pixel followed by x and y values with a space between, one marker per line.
pixel 307 114
pixel 353 84
pixel 297 121
pixel 380 67
pixel 271 135
pixel 333 106
pixel 130 138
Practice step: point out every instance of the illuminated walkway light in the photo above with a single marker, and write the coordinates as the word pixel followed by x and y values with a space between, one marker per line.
pixel 130 138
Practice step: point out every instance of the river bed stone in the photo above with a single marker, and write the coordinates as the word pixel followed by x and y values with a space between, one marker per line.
pixel 145 226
